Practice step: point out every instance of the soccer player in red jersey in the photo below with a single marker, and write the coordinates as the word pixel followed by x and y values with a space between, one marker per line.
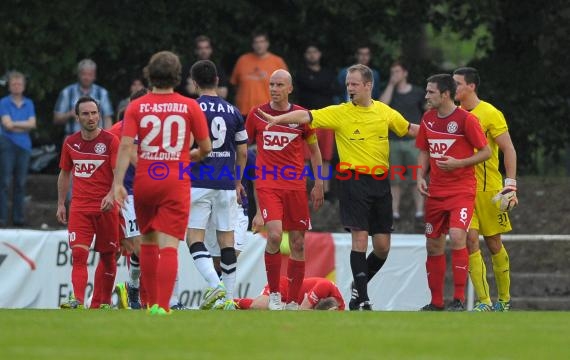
pixel 89 156
pixel 316 293
pixel 129 234
pixel 281 188
pixel 164 122
pixel 447 141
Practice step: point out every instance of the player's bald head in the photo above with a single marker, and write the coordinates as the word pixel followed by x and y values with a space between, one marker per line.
pixel 282 75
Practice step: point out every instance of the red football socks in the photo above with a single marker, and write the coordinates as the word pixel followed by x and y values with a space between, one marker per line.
pixel 295 276
pixel 460 264
pixel 273 270
pixel 244 303
pixel 435 267
pixel 149 265
pixel 166 275
pixel 79 272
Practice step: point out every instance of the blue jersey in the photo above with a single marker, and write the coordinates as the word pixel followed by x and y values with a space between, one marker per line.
pixel 227 130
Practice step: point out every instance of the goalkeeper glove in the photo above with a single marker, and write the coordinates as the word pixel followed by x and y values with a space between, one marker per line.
pixel 506 199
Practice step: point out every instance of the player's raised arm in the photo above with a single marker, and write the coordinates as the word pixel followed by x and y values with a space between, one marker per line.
pixel 293 117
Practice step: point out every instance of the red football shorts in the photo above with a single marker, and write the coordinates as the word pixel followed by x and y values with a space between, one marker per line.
pixel 450 212
pixel 289 206
pixel 162 206
pixel 83 226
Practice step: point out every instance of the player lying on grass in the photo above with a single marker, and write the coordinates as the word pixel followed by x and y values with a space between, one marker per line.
pixel 316 294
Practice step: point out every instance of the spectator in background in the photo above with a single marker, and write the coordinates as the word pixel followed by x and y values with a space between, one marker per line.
pixel 363 55
pixel 64 112
pixel 409 101
pixel 316 88
pixel 251 74
pixel 203 51
pixel 18 119
pixel 137 84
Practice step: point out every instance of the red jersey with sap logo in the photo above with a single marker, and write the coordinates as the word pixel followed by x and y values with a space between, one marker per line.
pixel 91 163
pixel 163 123
pixel 280 150
pixel 457 135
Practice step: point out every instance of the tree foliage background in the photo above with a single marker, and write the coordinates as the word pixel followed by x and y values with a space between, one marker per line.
pixel 524 71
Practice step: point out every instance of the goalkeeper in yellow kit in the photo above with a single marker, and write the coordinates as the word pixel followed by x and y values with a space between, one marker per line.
pixel 493 199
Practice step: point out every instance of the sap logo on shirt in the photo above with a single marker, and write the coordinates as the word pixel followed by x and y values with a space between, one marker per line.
pixel 438 147
pixel 274 140
pixel 86 168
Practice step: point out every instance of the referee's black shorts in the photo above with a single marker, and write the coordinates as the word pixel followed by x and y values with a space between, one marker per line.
pixel 366 204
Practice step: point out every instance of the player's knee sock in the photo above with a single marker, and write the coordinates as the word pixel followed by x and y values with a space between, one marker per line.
pixel 143 294
pixel 478 275
pixel 273 270
pixel 79 274
pixel 97 287
pixel 228 263
pixel 149 264
pixel 295 276
pixel 460 264
pixel 244 303
pixel 174 299
pixel 166 275
pixel 501 268
pixel 107 276
pixel 360 273
pixel 134 271
pixel 374 264
pixel 204 263
pixel 435 267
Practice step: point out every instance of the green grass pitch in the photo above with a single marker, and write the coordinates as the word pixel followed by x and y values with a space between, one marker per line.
pixel 82 334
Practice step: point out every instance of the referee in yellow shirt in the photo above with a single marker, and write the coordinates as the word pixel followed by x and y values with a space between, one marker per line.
pixel 488 219
pixel 361 133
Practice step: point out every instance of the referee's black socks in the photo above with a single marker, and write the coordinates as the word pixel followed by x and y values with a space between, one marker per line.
pixel 360 273
pixel 374 264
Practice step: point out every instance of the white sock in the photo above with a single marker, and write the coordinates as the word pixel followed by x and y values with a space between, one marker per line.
pixel 174 300
pixel 134 271
pixel 204 263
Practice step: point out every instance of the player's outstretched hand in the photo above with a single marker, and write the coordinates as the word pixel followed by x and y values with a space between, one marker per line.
pixel 271 120
pixel 120 194
pixel 61 214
